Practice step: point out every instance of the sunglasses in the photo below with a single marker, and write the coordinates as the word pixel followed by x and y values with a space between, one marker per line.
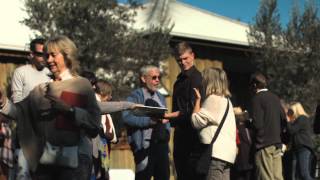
pixel 39 54
pixel 155 77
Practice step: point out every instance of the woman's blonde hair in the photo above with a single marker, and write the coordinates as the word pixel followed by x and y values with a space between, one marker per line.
pixel 68 49
pixel 215 81
pixel 296 109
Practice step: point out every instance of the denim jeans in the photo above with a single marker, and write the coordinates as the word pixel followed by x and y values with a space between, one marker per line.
pixel 301 164
pixel 23 168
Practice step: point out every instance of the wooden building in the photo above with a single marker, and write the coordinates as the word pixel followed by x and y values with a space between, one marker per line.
pixel 216 40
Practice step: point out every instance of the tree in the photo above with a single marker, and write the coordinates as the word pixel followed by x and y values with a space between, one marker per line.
pixel 102 32
pixel 289 55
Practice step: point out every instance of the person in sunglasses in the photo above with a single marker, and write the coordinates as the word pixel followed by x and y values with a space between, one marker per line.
pixel 148 136
pixel 24 79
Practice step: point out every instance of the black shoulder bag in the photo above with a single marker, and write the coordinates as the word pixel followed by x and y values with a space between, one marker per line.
pixel 205 158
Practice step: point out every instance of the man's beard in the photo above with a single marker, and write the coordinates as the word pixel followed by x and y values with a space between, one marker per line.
pixel 40 65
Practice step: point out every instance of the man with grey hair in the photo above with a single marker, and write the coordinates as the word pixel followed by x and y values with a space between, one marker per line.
pixel 149 136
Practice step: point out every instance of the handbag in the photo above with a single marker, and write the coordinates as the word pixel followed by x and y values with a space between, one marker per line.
pixel 203 163
pixel 66 156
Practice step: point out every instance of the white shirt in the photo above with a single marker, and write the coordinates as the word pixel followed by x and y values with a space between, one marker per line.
pixel 25 78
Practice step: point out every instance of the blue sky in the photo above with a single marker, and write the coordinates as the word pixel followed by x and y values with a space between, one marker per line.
pixel 244 10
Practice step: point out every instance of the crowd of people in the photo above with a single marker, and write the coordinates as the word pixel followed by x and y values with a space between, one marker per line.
pixel 63 128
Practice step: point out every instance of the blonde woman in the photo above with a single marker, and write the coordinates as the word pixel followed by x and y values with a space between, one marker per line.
pixel 207 119
pixel 58 119
pixel 299 126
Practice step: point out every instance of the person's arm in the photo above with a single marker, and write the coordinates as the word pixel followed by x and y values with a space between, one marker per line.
pixel 17 86
pixel 136 121
pixel 296 125
pixel 87 118
pixel 316 121
pixel 186 110
pixel 257 114
pixel 114 106
pixel 196 107
pixel 203 116
pixel 171 115
pixel 111 132
pixel 201 119
pixel 7 107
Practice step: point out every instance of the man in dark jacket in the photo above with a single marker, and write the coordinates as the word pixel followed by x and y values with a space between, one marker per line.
pixel 267 114
pixel 186 142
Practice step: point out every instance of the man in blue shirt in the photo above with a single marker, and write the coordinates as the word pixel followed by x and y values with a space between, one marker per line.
pixel 149 136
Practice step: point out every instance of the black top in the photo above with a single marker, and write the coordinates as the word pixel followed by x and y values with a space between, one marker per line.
pixel 316 125
pixel 244 159
pixel 185 136
pixel 267 115
pixel 301 132
pixel 184 96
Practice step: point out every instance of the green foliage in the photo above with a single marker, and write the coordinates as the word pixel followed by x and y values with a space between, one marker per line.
pixel 289 56
pixel 102 33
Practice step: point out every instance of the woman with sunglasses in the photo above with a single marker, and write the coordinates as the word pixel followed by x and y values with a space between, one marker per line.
pixel 299 127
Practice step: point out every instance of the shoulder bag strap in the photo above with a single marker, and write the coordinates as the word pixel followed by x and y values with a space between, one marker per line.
pixel 220 125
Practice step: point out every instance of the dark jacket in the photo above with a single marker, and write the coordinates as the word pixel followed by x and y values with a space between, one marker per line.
pixel 244 160
pixel 267 115
pixel 301 132
pixel 316 124
pixel 184 97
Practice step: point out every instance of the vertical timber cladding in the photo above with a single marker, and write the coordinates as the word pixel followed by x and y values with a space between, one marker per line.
pixel 9 60
pixel 235 60
pixel 171 71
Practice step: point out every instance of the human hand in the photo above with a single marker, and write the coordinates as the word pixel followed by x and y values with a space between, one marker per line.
pixel 171 115
pixel 197 93
pixel 58 104
pixel 164 121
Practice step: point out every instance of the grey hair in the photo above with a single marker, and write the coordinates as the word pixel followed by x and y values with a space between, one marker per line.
pixel 145 69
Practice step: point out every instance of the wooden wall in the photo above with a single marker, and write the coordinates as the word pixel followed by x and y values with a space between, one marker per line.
pixel 6 70
pixel 121 155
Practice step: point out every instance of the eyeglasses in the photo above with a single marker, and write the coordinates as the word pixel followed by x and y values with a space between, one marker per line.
pixel 155 77
pixel 39 54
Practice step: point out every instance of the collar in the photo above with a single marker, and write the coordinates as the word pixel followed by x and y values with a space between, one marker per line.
pixel 146 90
pixel 65 75
pixel 188 72
pixel 262 90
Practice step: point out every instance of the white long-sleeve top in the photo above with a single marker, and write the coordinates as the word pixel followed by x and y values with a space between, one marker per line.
pixel 207 121
pixel 24 79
